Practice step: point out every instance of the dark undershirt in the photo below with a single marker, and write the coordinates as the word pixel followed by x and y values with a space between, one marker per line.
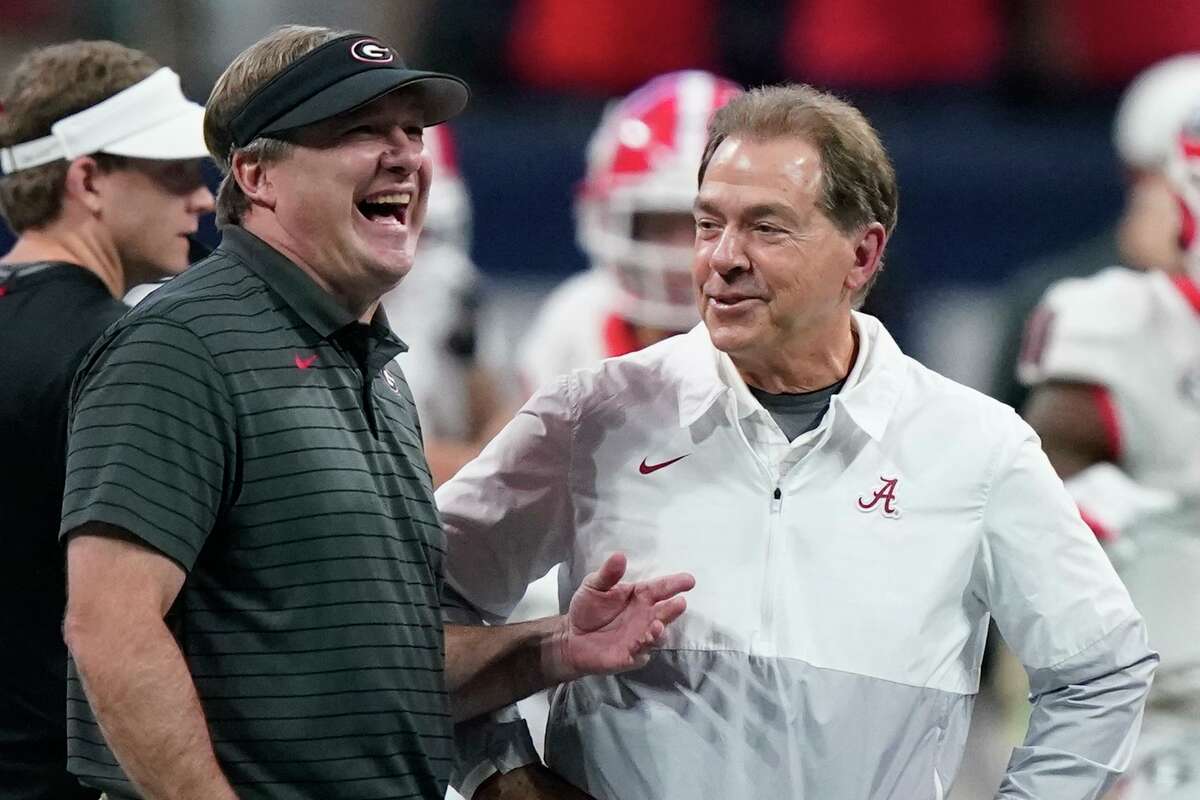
pixel 50 314
pixel 797 414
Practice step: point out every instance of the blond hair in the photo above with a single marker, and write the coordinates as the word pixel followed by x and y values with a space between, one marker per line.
pixel 252 68
pixel 47 85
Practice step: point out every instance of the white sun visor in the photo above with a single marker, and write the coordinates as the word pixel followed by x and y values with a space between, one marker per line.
pixel 151 119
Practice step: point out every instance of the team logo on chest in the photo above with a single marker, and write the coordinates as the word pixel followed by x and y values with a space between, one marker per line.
pixel 391 381
pixel 883 498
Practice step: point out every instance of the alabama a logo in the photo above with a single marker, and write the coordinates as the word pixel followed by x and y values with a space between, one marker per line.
pixel 883 498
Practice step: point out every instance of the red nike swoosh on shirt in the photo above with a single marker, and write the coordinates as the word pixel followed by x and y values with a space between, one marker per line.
pixel 304 363
pixel 646 469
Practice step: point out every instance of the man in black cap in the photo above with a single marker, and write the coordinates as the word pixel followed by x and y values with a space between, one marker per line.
pixel 254 558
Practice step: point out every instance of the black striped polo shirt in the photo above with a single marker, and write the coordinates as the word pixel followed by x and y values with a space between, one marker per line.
pixel 245 425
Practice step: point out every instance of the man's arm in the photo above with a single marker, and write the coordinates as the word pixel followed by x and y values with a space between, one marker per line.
pixel 1085 718
pixel 134 675
pixel 152 430
pixel 1069 420
pixel 1060 606
pixel 610 627
pixel 1080 432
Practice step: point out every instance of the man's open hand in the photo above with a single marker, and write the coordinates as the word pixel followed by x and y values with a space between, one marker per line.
pixel 612 626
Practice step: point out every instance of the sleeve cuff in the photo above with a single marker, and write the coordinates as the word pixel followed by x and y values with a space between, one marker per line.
pixel 494 743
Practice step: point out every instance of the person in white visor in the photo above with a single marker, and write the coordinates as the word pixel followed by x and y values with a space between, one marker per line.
pixel 100 178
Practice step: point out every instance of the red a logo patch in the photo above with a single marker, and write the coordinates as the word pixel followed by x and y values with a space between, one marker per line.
pixel 884 496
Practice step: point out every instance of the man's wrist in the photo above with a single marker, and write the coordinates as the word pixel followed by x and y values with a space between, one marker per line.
pixel 552 647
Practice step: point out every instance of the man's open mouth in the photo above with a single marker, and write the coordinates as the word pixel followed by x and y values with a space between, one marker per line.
pixel 386 207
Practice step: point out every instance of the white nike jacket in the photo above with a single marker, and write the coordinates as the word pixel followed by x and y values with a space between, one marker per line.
pixel 844 581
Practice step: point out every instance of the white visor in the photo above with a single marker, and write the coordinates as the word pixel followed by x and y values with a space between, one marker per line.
pixel 151 119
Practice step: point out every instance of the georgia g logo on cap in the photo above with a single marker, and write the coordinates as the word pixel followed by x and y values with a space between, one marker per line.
pixel 371 51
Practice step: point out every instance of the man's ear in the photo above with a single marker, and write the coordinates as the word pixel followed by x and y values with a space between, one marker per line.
pixel 254 179
pixel 868 256
pixel 83 183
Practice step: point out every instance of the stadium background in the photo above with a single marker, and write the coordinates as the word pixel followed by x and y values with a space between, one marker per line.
pixel 997 113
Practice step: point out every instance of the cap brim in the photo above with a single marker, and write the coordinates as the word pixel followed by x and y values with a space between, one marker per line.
pixel 179 137
pixel 442 97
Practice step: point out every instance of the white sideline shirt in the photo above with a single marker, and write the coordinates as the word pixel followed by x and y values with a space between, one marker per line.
pixel 831 647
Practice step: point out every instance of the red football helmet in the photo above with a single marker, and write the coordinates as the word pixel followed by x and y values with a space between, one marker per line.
pixel 448 220
pixel 1183 170
pixel 643 159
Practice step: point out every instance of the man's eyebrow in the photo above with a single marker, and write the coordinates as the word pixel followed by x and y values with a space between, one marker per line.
pixel 705 206
pixel 766 210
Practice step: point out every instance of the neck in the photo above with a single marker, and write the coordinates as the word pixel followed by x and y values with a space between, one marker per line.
pixel 74 244
pixel 804 363
pixel 265 227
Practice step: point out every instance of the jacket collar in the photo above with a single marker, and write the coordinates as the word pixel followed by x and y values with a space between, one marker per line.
pixel 705 375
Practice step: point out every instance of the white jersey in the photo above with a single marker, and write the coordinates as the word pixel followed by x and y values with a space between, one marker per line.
pixel 432 311
pixel 568 332
pixel 1137 335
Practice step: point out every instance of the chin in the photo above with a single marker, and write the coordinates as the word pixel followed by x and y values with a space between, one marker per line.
pixel 729 338
pixel 390 271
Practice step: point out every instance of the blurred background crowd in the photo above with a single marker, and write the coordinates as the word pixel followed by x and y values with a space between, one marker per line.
pixel 998 114
pixel 1023 156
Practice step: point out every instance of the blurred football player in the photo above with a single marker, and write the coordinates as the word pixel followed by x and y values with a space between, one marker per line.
pixel 634 222
pixel 1114 360
pixel 1148 117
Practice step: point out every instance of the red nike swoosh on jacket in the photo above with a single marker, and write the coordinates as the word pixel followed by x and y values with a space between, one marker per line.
pixel 646 469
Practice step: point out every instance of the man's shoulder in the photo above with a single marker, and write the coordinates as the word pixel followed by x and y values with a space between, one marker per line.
pixel 179 317
pixel 1090 329
pixel 959 410
pixel 670 362
pixel 1109 304
pixel 220 283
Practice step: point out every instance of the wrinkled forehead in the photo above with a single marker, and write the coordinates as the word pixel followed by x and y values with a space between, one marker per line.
pixel 753 170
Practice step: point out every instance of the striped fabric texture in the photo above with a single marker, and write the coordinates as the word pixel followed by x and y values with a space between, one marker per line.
pixel 244 425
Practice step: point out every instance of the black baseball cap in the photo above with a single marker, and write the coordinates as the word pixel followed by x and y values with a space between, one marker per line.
pixel 339 76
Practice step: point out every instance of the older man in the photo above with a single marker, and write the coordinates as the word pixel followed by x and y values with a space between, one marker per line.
pixel 100 177
pixel 254 560
pixel 852 518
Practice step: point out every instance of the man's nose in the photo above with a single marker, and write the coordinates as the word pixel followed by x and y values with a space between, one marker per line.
pixel 728 255
pixel 403 154
pixel 201 200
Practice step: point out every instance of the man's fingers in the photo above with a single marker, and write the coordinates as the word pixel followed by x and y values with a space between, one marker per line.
pixel 668 611
pixel 669 585
pixel 609 574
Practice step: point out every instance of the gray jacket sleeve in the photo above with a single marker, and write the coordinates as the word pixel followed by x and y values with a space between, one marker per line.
pixel 1060 606
pixel 1086 715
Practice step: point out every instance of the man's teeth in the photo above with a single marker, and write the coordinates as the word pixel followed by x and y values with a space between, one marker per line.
pixel 398 198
